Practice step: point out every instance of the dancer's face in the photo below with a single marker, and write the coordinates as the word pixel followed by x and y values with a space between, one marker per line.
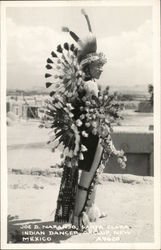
pixel 95 71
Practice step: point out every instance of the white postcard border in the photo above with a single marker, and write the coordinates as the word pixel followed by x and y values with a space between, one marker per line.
pixel 156 63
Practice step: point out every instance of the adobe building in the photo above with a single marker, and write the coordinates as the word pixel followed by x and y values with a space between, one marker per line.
pixel 26 108
pixel 138 148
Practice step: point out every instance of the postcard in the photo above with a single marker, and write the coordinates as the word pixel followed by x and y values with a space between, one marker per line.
pixel 80 122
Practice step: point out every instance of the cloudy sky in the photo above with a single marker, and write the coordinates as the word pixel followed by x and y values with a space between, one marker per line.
pixel 123 33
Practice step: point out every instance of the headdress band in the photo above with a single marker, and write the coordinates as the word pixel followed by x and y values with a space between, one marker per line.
pixel 94 57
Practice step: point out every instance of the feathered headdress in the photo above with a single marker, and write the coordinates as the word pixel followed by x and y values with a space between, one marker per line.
pixel 88 46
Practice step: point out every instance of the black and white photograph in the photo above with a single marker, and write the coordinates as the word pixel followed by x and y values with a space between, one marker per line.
pixel 80 108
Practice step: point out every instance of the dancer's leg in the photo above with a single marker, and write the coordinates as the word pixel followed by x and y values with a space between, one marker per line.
pixel 85 180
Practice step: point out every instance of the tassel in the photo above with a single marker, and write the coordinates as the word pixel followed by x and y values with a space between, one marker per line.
pixel 83 148
pixel 57 85
pixel 48 84
pixel 65 29
pixel 81 156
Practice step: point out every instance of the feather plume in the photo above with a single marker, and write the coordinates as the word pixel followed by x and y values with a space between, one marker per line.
pixel 49 60
pixel 87 19
pixel 83 12
pixel 48 66
pixel 74 36
pixel 89 46
pixel 59 48
pixel 65 29
pixel 53 54
pixel 47 75
pixel 66 46
pixel 72 47
pixel 48 84
pixel 52 93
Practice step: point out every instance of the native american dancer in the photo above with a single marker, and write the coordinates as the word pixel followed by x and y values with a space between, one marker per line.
pixel 79 114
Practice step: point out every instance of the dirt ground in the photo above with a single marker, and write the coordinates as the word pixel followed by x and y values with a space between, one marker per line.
pixel 129 209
